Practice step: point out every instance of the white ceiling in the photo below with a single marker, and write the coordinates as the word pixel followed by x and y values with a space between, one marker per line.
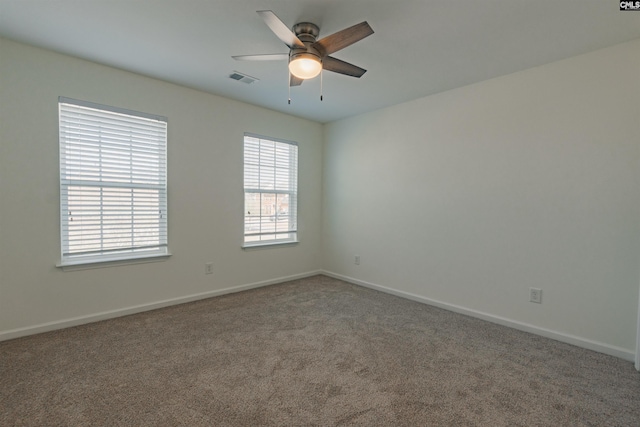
pixel 420 47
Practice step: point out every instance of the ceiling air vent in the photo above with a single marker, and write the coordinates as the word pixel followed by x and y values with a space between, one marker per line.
pixel 242 77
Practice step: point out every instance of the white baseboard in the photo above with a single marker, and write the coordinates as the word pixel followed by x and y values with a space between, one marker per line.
pixel 96 317
pixel 558 336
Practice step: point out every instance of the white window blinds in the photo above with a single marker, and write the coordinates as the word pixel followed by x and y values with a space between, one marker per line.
pixel 270 191
pixel 113 183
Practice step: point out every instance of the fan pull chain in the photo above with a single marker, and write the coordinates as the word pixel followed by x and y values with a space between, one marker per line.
pixel 321 84
pixel 289 86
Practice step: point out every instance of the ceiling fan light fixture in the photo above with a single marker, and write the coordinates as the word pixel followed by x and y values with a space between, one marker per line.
pixel 305 66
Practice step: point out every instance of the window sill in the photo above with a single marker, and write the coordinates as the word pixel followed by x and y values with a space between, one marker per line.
pixel 266 245
pixel 85 264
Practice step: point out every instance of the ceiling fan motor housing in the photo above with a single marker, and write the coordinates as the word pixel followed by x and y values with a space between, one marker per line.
pixel 307 33
pixel 304 29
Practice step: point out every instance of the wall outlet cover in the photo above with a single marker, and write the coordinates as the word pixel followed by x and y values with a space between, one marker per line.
pixel 535 295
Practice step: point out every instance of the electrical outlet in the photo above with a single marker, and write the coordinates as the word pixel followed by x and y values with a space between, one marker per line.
pixel 208 268
pixel 535 295
pixel 357 260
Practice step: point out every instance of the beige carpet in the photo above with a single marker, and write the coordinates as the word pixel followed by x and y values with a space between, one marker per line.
pixel 316 351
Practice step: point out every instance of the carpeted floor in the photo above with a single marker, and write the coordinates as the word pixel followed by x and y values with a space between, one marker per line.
pixel 316 351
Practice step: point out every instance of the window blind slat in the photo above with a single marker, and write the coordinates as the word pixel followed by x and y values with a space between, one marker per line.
pixel 93 141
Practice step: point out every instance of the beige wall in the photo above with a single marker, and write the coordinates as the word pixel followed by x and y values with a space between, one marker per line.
pixel 463 199
pixel 205 194
pixel 470 197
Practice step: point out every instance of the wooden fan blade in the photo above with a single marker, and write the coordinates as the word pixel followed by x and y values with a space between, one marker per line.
pixel 330 63
pixel 294 81
pixel 342 39
pixel 280 29
pixel 265 57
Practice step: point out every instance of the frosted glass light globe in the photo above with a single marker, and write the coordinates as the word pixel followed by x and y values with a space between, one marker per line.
pixel 305 66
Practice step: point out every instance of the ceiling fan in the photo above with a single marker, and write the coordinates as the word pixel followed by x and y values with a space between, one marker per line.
pixel 308 56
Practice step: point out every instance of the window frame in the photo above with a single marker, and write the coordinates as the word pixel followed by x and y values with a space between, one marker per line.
pixel 291 192
pixel 142 194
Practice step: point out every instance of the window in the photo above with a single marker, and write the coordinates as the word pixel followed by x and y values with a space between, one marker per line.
pixel 270 191
pixel 113 183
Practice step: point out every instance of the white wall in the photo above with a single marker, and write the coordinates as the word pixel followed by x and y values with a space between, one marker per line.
pixel 205 193
pixel 469 197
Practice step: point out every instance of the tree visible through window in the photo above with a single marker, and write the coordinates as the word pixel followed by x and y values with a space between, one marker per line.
pixel 113 189
pixel 270 190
